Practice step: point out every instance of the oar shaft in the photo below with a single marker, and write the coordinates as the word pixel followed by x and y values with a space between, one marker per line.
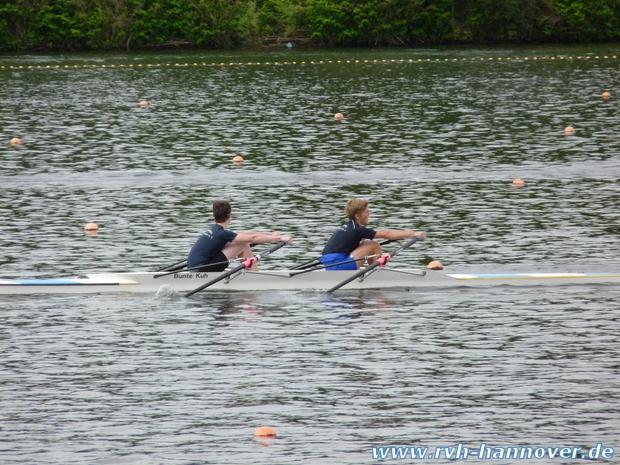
pixel 355 276
pixel 174 266
pixel 302 271
pixel 194 268
pixel 317 261
pixel 371 268
pixel 308 264
pixel 218 279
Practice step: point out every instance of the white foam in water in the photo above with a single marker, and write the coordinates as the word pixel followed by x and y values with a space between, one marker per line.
pixel 165 292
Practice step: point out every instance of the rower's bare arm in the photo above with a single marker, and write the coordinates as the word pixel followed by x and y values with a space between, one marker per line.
pixel 257 237
pixel 394 235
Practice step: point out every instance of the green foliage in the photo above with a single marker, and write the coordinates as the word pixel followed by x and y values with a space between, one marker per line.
pixel 215 23
pixel 327 21
pixel 130 24
pixel 368 23
pixel 434 23
pixel 589 20
pixel 505 21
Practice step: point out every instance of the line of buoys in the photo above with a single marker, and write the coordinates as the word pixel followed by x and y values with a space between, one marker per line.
pixel 320 62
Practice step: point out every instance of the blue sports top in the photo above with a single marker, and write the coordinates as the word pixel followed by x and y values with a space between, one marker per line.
pixel 208 245
pixel 347 238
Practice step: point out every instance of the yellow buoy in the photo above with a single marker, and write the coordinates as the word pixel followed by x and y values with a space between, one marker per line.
pixel 518 182
pixel 15 141
pixel 339 116
pixel 606 95
pixel 569 130
pixel 238 159
pixel 144 103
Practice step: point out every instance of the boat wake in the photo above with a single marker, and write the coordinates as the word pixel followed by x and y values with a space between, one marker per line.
pixel 166 292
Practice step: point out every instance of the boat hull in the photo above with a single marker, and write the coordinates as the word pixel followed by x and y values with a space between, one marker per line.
pixel 145 282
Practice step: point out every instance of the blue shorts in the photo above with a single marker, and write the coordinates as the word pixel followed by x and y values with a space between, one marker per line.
pixel 338 258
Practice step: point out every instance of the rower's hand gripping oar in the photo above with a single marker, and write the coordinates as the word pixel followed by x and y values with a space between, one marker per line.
pixel 245 264
pixel 380 261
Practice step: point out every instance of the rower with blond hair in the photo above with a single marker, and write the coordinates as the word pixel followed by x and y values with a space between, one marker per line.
pixel 348 244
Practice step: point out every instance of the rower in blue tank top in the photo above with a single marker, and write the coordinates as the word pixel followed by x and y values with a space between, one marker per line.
pixel 348 242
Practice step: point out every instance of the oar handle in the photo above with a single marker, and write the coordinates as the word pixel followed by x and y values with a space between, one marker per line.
pixel 249 262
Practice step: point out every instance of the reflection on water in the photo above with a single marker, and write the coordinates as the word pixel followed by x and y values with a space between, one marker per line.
pixel 434 145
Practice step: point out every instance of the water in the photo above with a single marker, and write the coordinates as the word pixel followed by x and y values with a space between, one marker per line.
pixel 434 145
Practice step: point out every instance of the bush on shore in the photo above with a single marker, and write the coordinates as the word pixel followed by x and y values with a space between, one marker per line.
pixel 72 25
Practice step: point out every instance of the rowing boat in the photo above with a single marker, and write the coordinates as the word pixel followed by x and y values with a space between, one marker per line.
pixel 383 278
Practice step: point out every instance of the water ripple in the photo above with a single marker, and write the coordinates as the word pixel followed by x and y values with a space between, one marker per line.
pixel 134 379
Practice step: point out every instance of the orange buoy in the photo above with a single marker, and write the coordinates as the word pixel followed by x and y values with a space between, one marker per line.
pixel 339 116
pixel 265 432
pixel 238 159
pixel 144 103
pixel 91 227
pixel 435 265
pixel 15 141
pixel 518 182
pixel 569 130
pixel 606 95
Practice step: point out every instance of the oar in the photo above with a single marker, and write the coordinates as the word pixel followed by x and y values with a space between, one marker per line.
pixel 174 267
pixel 317 261
pixel 381 261
pixel 245 264
pixel 296 271
pixel 308 264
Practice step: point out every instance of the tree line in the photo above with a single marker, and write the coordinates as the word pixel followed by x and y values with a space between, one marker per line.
pixel 78 25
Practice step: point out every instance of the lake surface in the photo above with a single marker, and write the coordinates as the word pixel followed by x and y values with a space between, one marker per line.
pixel 432 137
